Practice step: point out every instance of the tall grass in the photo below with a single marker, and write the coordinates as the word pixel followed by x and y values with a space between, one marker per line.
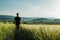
pixel 6 31
pixel 30 32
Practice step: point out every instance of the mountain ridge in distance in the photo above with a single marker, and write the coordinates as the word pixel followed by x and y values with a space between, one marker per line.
pixel 11 18
pixel 8 17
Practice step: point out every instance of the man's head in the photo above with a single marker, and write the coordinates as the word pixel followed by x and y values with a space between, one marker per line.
pixel 17 14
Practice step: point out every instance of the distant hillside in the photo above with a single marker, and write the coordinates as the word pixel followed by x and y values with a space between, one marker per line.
pixel 28 18
pixel 31 20
pixel 6 18
pixel 46 21
pixel 40 19
pixel 11 18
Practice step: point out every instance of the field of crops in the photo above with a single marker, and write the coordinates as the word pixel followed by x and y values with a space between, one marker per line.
pixel 30 32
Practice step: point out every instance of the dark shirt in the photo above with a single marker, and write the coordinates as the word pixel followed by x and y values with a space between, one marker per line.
pixel 17 20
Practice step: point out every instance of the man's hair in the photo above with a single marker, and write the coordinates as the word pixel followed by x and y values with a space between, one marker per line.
pixel 17 14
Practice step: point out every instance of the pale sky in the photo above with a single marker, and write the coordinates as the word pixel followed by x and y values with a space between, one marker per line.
pixel 31 8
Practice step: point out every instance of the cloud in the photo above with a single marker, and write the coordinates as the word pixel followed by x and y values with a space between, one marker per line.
pixel 43 10
pixel 10 12
pixel 37 8
pixel 55 9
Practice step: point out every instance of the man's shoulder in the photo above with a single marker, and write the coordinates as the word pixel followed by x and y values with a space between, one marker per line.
pixel 17 17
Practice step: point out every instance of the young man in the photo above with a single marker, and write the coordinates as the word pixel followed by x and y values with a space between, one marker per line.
pixel 17 21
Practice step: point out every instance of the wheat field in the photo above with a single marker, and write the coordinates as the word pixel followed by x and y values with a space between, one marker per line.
pixel 30 32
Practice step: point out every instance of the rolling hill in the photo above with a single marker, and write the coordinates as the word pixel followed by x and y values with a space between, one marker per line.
pixel 31 20
pixel 46 21
pixel 11 18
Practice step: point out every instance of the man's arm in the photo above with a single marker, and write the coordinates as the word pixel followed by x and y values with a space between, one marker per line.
pixel 20 20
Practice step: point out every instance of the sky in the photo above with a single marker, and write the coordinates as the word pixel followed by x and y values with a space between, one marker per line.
pixel 31 8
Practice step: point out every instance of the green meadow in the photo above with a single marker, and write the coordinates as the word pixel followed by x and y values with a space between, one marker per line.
pixel 30 32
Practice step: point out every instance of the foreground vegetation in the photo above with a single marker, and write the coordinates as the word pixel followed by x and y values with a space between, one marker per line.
pixel 30 32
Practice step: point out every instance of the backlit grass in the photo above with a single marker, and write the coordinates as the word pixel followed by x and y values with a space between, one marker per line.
pixel 30 32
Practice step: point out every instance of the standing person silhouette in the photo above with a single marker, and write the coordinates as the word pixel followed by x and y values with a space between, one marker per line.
pixel 17 22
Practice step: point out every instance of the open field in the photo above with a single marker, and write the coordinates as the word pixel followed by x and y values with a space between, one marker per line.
pixel 30 32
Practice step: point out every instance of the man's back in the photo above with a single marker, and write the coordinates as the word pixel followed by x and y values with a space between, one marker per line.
pixel 17 20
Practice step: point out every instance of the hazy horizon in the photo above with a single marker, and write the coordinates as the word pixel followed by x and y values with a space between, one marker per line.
pixel 31 8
